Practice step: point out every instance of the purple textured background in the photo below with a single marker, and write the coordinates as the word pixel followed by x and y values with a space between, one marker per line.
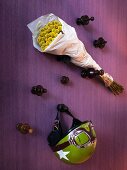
pixel 23 67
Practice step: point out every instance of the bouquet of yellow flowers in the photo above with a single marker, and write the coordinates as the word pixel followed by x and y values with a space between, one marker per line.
pixel 52 35
pixel 48 33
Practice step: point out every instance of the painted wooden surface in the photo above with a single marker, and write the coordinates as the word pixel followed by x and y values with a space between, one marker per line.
pixel 23 67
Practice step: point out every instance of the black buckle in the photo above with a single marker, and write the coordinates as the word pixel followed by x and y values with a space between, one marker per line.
pixel 56 125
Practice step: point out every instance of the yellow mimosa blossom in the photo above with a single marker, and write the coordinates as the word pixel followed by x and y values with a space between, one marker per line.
pixel 48 33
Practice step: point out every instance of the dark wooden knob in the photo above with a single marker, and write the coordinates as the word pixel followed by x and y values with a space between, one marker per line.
pixel 101 72
pixel 64 79
pixel 64 58
pixel 38 90
pixel 62 108
pixel 91 73
pixel 84 20
pixel 24 128
pixel 99 43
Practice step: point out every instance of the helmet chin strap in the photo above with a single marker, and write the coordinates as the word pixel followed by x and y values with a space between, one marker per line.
pixel 56 134
pixel 62 108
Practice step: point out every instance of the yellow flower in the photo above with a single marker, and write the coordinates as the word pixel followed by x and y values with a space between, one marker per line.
pixel 59 24
pixel 51 34
pixel 46 27
pixel 41 29
pixel 42 34
pixel 47 43
pixel 51 27
pixel 57 31
pixel 56 22
pixel 46 39
pixel 60 28
pixel 53 22
pixel 49 24
pixel 41 43
pixel 42 48
pixel 50 39
pixel 39 39
pixel 53 30
pixel 43 39
pixel 56 26
pixel 49 30
pixel 47 35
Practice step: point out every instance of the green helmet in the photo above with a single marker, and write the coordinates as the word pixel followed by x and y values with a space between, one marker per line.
pixel 78 144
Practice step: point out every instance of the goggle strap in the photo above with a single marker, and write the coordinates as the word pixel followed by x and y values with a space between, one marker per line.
pixel 60 146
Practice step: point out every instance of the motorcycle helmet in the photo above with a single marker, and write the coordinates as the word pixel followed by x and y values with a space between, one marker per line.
pixel 75 146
